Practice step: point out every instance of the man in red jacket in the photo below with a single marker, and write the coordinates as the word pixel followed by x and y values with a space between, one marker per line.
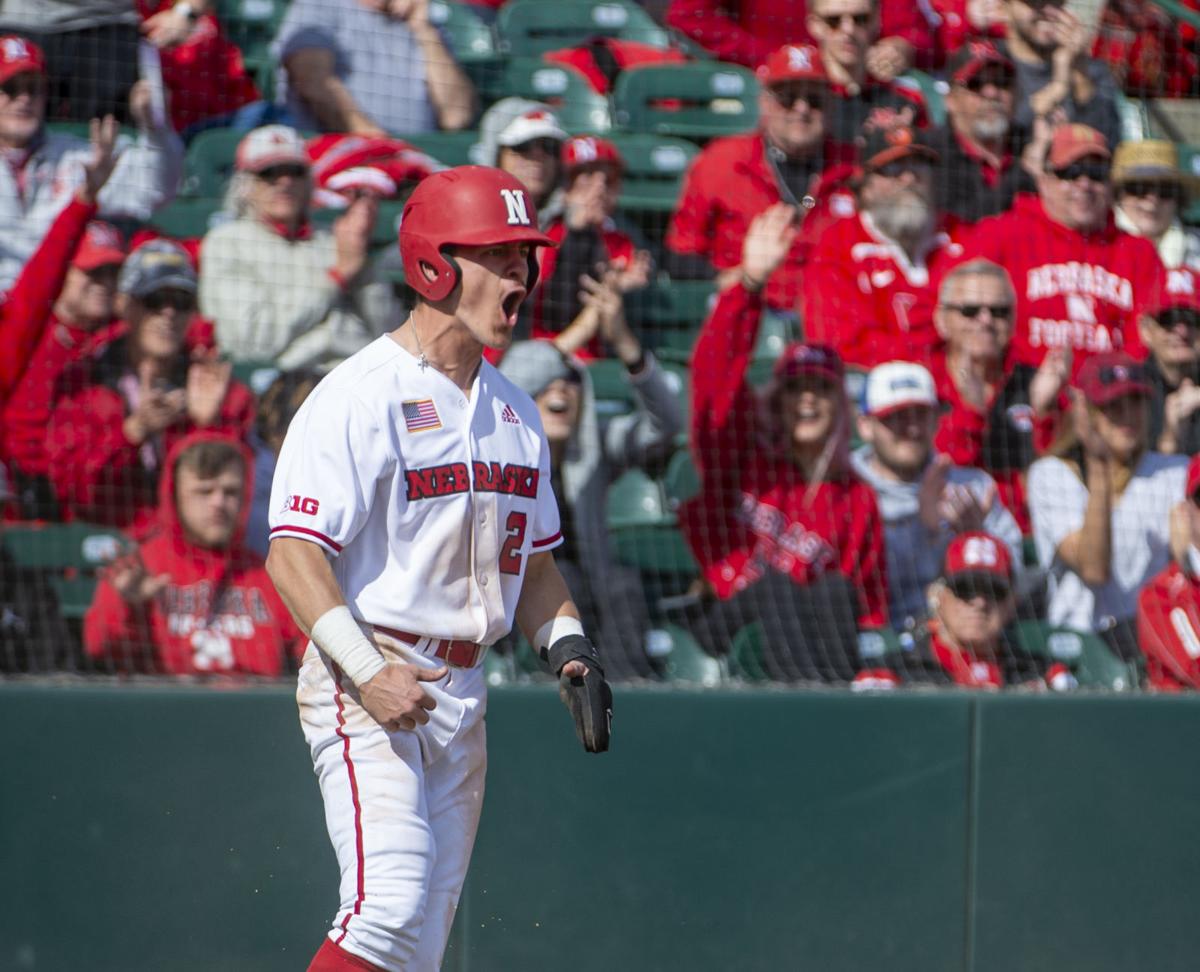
pixel 736 178
pixel 128 405
pixel 1081 283
pixel 746 31
pixel 872 282
pixel 192 599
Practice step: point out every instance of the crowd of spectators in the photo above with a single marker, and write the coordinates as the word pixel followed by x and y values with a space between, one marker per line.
pixel 980 415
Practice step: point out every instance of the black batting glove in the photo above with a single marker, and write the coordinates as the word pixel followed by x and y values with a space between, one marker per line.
pixel 588 698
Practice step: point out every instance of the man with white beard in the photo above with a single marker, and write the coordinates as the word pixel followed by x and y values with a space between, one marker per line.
pixel 873 281
pixel 980 147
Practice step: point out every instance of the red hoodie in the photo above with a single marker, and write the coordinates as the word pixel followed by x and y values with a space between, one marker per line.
pixel 755 512
pixel 219 613
pixel 1083 291
pixel 98 474
pixel 1168 622
pixel 31 332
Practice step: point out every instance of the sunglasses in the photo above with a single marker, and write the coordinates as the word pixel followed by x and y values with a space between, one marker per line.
pixel 33 85
pixel 998 311
pixel 977 83
pixel 894 170
pixel 787 97
pixel 1175 316
pixel 175 299
pixel 969 588
pixel 1095 171
pixel 273 173
pixel 834 21
pixel 547 146
pixel 1163 190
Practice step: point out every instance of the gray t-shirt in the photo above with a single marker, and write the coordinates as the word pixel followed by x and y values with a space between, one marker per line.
pixel 55 16
pixel 375 56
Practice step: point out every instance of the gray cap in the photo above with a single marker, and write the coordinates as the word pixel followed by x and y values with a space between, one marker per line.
pixel 511 121
pixel 157 265
pixel 532 365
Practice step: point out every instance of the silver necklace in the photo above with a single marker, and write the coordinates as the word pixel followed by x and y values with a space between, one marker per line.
pixel 422 361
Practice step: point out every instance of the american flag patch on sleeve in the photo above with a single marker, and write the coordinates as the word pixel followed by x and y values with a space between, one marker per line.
pixel 420 415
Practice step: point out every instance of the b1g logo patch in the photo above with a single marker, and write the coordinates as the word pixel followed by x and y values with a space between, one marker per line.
pixel 301 504
pixel 518 209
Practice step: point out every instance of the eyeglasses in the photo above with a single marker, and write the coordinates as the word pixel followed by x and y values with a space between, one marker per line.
pixel 1163 190
pixel 1095 171
pixel 33 85
pixel 998 311
pixel 978 82
pixel 787 97
pixel 273 173
pixel 547 146
pixel 968 588
pixel 177 300
pixel 834 21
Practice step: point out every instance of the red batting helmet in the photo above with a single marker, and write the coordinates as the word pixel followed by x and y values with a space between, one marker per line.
pixel 472 205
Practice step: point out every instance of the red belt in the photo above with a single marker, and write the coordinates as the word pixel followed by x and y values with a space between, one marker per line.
pixel 460 654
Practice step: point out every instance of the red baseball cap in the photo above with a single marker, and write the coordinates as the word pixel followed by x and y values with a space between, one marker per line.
pixel 583 150
pixel 1073 142
pixel 792 62
pixel 809 359
pixel 977 554
pixel 973 57
pixel 18 56
pixel 1180 292
pixel 101 246
pixel 1110 375
pixel 1193 476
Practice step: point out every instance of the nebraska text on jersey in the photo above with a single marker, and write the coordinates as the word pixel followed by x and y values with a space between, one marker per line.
pixel 1052 279
pixel 429 533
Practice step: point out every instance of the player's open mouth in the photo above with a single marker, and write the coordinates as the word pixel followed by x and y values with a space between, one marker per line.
pixel 510 304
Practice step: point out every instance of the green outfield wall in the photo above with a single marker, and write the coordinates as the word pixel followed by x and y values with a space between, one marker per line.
pixel 174 829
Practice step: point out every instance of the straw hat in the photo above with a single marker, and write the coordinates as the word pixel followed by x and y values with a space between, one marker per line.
pixel 1151 160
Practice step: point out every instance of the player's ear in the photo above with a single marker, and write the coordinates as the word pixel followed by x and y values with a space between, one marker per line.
pixel 430 273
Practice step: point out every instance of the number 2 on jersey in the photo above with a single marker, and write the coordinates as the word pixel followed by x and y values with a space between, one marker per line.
pixel 510 553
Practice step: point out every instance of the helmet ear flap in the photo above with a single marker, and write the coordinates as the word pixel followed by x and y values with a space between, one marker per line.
pixel 419 250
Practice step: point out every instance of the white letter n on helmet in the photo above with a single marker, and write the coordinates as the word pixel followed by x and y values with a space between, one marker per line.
pixel 518 212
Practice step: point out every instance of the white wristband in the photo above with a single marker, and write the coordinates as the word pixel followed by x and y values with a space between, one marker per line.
pixel 338 635
pixel 1193 559
pixel 554 629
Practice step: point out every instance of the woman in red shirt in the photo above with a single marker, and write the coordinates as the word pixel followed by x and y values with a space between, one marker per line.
pixel 784 532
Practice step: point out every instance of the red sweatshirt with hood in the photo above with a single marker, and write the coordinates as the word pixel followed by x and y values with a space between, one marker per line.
pixel 1083 291
pixel 98 474
pixel 219 613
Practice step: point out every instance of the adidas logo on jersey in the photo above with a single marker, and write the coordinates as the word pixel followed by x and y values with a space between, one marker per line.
pixel 508 415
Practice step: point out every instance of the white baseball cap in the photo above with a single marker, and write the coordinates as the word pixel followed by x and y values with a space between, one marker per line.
pixel 535 123
pixel 271 145
pixel 896 385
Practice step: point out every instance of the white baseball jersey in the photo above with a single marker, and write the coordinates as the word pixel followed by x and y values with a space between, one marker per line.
pixel 430 501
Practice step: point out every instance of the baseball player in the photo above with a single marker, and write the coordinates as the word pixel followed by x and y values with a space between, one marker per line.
pixel 412 521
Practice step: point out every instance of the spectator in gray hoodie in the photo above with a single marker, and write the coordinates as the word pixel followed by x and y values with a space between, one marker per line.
pixel 524 138
pixel 925 500
pixel 586 456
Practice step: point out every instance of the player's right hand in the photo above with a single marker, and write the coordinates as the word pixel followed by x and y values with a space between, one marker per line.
pixel 395 698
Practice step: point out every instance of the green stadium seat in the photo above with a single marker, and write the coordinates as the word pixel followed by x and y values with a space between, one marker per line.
pixel 698 100
pixel 636 500
pixel 578 106
pixel 449 148
pixel 931 90
pixel 471 38
pixel 654 170
pixel 686 661
pixel 187 218
pixel 746 655
pixel 208 166
pixel 529 28
pixel 69 553
pixel 1094 663
pixel 255 375
pixel 1189 162
pixel 643 527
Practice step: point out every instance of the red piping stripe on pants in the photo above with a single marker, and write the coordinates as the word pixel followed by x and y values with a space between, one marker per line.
pixel 358 833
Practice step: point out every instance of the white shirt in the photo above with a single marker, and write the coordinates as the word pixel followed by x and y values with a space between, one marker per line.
pixel 1140 536
pixel 430 502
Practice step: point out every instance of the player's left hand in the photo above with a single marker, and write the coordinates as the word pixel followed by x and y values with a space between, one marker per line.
pixel 583 689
